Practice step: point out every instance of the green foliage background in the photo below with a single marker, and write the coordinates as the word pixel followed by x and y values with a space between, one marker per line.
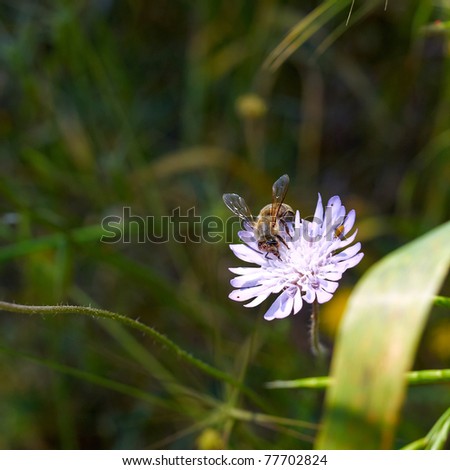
pixel 155 106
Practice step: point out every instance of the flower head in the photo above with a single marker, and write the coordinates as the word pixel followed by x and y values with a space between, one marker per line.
pixel 312 259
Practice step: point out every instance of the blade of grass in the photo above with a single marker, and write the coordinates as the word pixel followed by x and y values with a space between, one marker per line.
pixel 329 40
pixel 377 342
pixel 439 432
pixel 92 378
pixel 436 438
pixel 302 31
pixel 312 23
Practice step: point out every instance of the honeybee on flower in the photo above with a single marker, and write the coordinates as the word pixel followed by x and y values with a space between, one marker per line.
pixel 308 257
pixel 271 220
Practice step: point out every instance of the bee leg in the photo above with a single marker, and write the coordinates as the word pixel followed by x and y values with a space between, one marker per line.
pixel 282 241
pixel 286 228
pixel 271 253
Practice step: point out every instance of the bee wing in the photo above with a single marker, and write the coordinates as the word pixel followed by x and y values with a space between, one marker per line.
pixel 239 207
pixel 279 190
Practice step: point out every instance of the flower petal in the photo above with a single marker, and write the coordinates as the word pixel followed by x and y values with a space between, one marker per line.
pixel 349 221
pixel 328 286
pixel 350 263
pixel 249 239
pixel 323 296
pixel 248 280
pixel 332 275
pixel 309 295
pixel 335 205
pixel 348 240
pixel 281 308
pixel 318 213
pixel 297 223
pixel 298 302
pixel 348 252
pixel 245 253
pixel 245 270
pixel 258 300
pixel 241 295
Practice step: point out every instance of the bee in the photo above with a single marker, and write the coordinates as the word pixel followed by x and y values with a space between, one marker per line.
pixel 271 220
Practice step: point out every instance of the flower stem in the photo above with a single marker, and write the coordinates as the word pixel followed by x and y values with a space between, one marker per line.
pixel 442 301
pixel 314 330
pixel 414 377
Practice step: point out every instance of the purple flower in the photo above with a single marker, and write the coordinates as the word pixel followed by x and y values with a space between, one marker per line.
pixel 309 267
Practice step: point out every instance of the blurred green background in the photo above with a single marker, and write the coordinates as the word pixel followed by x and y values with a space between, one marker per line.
pixel 108 104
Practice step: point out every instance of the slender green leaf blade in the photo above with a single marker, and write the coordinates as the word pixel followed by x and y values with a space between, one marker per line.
pixel 439 433
pixel 377 342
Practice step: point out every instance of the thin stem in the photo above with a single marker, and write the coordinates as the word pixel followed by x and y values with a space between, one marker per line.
pixel 414 377
pixel 245 415
pixel 442 301
pixel 350 12
pixel 160 338
pixel 277 423
pixel 314 331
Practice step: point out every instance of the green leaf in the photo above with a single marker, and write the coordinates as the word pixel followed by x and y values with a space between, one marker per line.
pixel 377 343
pixel 439 433
pixel 436 438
